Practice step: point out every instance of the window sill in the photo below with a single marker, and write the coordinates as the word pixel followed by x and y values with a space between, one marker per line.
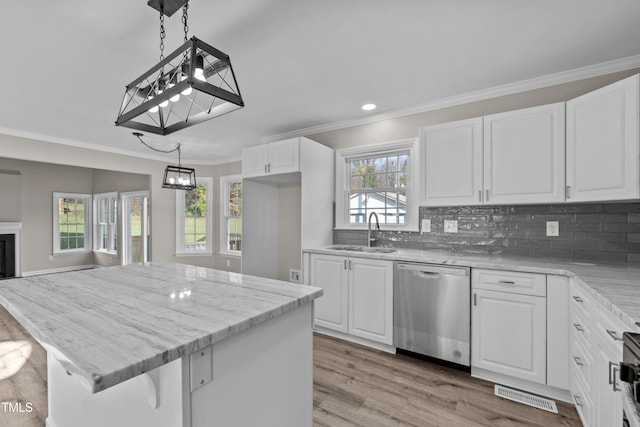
pixel 194 253
pixel 100 251
pixel 72 252
pixel 231 254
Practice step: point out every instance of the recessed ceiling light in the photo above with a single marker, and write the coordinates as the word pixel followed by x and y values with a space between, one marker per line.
pixel 369 107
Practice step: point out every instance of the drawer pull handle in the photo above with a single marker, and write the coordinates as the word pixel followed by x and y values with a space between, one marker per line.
pixel 613 371
pixel 577 399
pixel 578 361
pixel 578 299
pixel 578 327
pixel 613 335
pixel 506 282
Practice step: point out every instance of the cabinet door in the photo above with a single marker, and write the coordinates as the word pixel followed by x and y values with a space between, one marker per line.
pixel 508 334
pixel 284 156
pixel 608 407
pixel 524 155
pixel 451 157
pixel 371 299
pixel 602 143
pixel 254 161
pixel 330 274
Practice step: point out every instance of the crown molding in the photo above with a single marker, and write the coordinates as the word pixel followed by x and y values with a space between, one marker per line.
pixel 568 76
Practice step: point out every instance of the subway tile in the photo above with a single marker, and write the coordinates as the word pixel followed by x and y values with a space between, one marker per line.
pixel 590 226
pixel 605 237
pixel 601 217
pixel 621 207
pixel 635 258
pixel 562 218
pixel 633 218
pixel 591 245
pixel 530 209
pixel 571 208
pixel 616 227
pixel 551 253
pixel 619 247
pixel 523 252
pixel 633 237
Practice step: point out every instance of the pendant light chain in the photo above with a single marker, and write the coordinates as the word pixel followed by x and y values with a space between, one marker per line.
pixel 185 19
pixel 162 36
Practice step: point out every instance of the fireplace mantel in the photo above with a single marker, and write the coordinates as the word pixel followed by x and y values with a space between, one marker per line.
pixel 16 229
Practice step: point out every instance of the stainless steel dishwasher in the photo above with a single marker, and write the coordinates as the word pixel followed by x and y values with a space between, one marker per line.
pixel 432 311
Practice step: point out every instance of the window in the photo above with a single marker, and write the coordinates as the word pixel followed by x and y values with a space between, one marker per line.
pixel 194 219
pixel 231 218
pixel 377 179
pixel 71 223
pixel 106 222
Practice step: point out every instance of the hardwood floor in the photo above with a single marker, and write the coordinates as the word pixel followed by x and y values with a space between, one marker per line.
pixel 358 386
pixel 353 386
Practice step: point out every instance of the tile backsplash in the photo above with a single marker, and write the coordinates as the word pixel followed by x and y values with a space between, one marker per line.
pixel 600 232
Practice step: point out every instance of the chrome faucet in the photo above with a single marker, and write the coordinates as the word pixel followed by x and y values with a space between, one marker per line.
pixel 370 239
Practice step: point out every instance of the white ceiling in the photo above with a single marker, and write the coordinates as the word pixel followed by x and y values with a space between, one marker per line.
pixel 300 64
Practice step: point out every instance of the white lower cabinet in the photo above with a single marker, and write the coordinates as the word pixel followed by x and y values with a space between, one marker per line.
pixel 596 351
pixel 508 334
pixel 358 296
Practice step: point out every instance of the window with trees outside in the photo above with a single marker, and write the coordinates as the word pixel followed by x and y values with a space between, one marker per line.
pixel 377 178
pixel 193 230
pixel 106 222
pixel 231 218
pixel 71 222
pixel 378 184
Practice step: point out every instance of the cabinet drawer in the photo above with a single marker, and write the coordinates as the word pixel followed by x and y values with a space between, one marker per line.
pixel 581 399
pixel 581 328
pixel 607 324
pixel 580 299
pixel 510 281
pixel 581 364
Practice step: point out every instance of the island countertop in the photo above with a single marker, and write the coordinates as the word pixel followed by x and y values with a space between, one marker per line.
pixel 111 324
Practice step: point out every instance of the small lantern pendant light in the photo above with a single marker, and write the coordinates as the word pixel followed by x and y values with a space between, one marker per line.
pixel 194 83
pixel 175 177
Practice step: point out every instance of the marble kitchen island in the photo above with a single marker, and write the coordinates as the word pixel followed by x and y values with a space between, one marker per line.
pixel 170 345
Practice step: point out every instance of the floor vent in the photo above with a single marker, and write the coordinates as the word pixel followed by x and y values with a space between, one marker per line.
pixel 526 398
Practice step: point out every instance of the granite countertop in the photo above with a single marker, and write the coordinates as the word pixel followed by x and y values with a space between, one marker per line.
pixel 111 324
pixel 615 285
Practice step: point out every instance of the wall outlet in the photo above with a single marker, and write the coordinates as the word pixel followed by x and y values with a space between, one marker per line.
pixel 450 226
pixel 228 263
pixel 295 275
pixel 426 226
pixel 50 257
pixel 553 228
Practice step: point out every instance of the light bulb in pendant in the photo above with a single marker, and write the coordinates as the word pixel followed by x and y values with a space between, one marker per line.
pixel 185 76
pixel 176 97
pixel 199 71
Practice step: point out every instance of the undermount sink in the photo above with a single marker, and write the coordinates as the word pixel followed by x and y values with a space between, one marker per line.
pixel 361 249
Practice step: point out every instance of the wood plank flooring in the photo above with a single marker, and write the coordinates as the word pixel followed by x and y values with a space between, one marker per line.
pixel 358 386
pixel 353 386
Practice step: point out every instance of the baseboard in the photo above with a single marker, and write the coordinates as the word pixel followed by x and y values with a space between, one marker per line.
pixel 57 270
pixel 362 341
pixel 524 385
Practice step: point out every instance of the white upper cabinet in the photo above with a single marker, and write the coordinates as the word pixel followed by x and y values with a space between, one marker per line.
pixel 602 143
pixel 524 155
pixel 452 163
pixel 270 159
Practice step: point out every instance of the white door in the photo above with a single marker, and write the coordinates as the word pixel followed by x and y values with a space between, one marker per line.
pixel 330 273
pixel 451 163
pixel 284 156
pixel 508 334
pixel 135 212
pixel 524 155
pixel 254 161
pixel 371 299
pixel 602 143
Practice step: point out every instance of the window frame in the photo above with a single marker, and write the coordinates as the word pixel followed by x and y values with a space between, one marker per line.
pixel 88 226
pixel 343 157
pixel 225 181
pixel 112 224
pixel 181 250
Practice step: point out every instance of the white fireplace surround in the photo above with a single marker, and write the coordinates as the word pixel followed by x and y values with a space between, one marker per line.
pixel 14 228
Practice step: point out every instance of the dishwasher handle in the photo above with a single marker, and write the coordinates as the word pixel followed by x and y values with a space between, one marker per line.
pixel 431 270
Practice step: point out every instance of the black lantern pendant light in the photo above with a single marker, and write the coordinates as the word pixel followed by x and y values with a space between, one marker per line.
pixel 194 83
pixel 175 177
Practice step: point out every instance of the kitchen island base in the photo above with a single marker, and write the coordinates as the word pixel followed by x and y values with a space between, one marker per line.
pixel 260 376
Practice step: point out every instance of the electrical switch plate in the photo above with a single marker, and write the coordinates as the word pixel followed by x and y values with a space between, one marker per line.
pixel 553 228
pixel 450 226
pixel 426 226
pixel 294 275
